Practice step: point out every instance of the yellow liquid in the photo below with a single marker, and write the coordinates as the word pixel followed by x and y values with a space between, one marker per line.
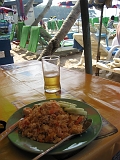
pixel 53 95
pixel 52 82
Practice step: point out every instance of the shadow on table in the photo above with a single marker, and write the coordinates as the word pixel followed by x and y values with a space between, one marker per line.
pixel 2 126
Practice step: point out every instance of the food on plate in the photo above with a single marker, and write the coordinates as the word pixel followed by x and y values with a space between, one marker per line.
pixel 71 108
pixel 50 122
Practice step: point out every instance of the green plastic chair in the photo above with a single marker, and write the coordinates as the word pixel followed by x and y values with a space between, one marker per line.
pixel 105 21
pixel 25 36
pixel 49 25
pixel 53 25
pixel 34 38
pixel 19 30
pixel 116 19
pixel 38 34
pixel 95 20
pixel 59 23
pixel 91 21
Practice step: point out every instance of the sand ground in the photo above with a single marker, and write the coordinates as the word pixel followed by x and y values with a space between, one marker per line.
pixel 68 61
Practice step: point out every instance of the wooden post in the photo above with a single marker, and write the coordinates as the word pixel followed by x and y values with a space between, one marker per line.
pixel 98 50
pixel 86 36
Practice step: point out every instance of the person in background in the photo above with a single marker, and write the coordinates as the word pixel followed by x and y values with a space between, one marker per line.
pixel 9 27
pixel 116 42
pixel 116 39
pixel 110 23
pixel 119 16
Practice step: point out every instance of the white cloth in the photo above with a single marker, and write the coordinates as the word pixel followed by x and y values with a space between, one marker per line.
pixel 115 41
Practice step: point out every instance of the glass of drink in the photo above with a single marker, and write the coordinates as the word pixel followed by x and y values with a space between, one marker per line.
pixel 53 95
pixel 51 73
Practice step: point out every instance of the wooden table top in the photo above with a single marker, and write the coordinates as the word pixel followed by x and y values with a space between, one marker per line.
pixel 22 83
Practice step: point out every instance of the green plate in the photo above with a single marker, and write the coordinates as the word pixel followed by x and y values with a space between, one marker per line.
pixel 70 145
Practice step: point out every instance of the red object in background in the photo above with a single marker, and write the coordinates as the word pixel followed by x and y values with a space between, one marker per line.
pixel 6 10
pixel 20 9
pixel 17 42
pixel 67 3
pixel 66 38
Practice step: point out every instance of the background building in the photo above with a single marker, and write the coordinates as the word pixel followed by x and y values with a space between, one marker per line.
pixel 14 17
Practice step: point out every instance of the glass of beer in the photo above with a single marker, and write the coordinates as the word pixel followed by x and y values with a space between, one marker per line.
pixel 51 73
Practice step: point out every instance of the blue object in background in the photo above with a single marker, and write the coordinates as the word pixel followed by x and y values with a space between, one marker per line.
pixel 6 47
pixel 114 52
pixel 4 23
pixel 77 45
pixel 70 35
pixel 103 35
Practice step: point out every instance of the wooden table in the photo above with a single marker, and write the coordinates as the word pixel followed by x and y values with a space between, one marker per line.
pixel 22 83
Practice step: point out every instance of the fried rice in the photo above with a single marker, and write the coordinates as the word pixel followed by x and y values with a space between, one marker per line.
pixel 49 123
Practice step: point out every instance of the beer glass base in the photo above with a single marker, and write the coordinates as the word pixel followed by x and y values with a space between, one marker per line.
pixel 52 90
